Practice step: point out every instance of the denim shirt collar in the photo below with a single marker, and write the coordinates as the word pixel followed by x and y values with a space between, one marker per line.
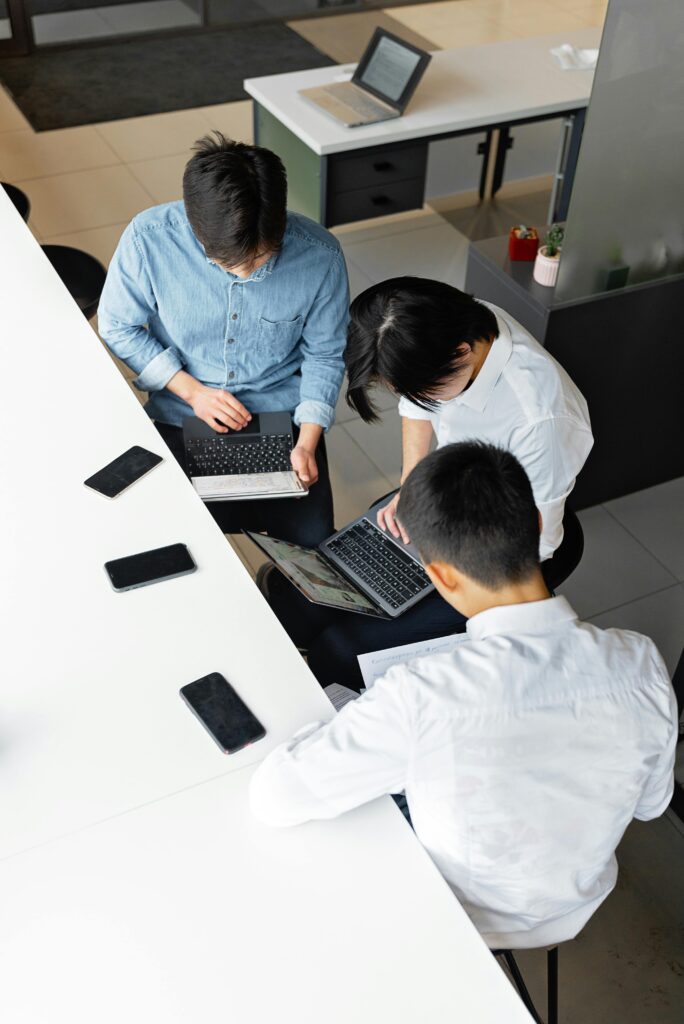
pixel 267 268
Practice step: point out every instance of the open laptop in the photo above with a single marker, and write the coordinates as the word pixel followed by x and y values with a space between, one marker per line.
pixel 250 463
pixel 381 87
pixel 359 569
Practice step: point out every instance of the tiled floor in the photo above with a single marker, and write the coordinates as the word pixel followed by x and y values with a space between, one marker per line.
pixel 85 184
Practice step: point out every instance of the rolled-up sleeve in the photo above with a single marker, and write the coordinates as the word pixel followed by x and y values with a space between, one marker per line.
pixel 127 305
pixel 322 346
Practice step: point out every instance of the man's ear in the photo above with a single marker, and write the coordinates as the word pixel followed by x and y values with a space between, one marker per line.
pixel 444 576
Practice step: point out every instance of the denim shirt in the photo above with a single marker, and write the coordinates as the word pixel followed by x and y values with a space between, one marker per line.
pixel 274 340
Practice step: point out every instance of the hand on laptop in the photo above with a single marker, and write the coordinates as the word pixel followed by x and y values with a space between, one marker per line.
pixel 304 465
pixel 387 520
pixel 219 409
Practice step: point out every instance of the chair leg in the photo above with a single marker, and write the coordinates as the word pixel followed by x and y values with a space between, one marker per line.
pixel 552 984
pixel 520 984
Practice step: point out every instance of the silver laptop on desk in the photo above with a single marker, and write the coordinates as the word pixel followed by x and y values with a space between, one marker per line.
pixel 383 83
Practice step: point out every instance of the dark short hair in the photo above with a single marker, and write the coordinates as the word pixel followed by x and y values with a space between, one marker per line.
pixel 471 505
pixel 405 333
pixel 235 198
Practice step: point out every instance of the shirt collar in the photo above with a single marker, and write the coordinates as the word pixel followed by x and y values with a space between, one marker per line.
pixel 266 268
pixel 531 617
pixel 477 395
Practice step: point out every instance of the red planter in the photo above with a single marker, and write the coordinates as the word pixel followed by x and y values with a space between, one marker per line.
pixel 524 249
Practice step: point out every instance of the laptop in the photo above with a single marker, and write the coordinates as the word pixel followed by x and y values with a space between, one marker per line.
pixel 250 463
pixel 359 569
pixel 381 87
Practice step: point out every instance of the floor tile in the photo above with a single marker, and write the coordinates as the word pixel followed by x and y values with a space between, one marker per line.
pixel 143 138
pixel 626 963
pixel 356 481
pixel 381 442
pixel 233 119
pixel 161 177
pixel 148 16
pixel 383 227
pixel 541 23
pixel 358 281
pixel 450 25
pixel 99 242
pixel 492 217
pixel 29 154
pixel 345 37
pixel 381 397
pixel 615 569
pixel 655 517
pixel 69 26
pixel 660 616
pixel 11 118
pixel 438 252
pixel 84 199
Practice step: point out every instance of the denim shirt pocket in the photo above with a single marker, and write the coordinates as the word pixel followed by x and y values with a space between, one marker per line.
pixel 277 338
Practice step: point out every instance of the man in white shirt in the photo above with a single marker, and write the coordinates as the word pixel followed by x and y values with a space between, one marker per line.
pixel 463 370
pixel 524 753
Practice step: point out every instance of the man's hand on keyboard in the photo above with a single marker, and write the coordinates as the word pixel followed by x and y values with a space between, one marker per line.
pixel 219 409
pixel 387 520
pixel 304 465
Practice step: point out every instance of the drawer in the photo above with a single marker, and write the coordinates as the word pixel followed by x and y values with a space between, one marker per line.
pixel 376 167
pixel 362 203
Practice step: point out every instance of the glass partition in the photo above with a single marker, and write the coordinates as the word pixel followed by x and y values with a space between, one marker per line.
pixel 625 222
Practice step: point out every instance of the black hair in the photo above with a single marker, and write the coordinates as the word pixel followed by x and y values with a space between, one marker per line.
pixel 235 198
pixel 408 333
pixel 471 505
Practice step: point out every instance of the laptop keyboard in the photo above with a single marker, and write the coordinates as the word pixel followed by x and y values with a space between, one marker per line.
pixel 357 100
pixel 388 571
pixel 219 457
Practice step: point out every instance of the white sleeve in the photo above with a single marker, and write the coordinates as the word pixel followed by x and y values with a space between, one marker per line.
pixel 410 411
pixel 552 452
pixel 326 769
pixel 659 786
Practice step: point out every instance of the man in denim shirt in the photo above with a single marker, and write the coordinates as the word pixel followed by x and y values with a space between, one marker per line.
pixel 226 304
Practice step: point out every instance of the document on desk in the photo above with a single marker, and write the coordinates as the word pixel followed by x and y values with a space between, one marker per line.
pixel 376 663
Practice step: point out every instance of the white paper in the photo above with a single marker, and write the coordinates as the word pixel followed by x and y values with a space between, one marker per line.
pixel 571 58
pixel 340 695
pixel 245 485
pixel 376 663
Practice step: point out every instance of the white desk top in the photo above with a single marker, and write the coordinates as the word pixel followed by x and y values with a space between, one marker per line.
pixel 190 911
pixel 91 723
pixel 466 88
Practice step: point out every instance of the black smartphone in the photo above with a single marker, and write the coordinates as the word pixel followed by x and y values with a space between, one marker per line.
pixel 150 567
pixel 223 714
pixel 123 471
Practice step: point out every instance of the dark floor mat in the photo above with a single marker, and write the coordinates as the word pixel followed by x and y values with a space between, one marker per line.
pixel 151 76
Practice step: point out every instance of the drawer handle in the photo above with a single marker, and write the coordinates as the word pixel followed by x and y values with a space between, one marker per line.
pixel 383 165
pixel 380 200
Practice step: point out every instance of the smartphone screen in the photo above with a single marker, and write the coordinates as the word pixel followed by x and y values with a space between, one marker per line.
pixel 222 713
pixel 150 567
pixel 123 471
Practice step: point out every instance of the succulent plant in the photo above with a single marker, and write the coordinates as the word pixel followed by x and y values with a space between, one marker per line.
pixel 554 239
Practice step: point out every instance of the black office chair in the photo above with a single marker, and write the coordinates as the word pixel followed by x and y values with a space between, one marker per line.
pixel 551 983
pixel 83 275
pixel 20 200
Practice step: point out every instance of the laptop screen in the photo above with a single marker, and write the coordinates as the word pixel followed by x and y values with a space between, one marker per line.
pixel 315 577
pixel 389 69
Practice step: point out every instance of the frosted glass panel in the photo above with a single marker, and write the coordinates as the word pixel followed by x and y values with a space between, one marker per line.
pixel 626 217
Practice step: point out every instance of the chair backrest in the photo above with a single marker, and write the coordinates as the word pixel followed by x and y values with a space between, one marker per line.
pixel 82 274
pixel 567 557
pixel 20 200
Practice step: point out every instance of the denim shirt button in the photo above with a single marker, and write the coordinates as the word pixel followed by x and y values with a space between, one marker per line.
pixel 231 341
pixel 234 316
pixel 231 374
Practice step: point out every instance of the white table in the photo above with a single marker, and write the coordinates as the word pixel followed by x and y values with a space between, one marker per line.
pixel 131 887
pixel 494 85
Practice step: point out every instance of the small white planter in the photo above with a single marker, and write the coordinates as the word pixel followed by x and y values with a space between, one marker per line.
pixel 545 267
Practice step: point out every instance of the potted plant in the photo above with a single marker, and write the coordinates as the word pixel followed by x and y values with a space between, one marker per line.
pixel 523 243
pixel 546 264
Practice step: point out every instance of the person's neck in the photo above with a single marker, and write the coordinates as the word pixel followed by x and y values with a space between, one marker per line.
pixel 534 589
pixel 481 350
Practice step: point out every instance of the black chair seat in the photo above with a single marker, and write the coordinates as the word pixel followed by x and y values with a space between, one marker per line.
pixel 83 275
pixel 20 200
pixel 567 557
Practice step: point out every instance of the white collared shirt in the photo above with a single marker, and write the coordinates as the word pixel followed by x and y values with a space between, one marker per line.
pixel 524 754
pixel 524 401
